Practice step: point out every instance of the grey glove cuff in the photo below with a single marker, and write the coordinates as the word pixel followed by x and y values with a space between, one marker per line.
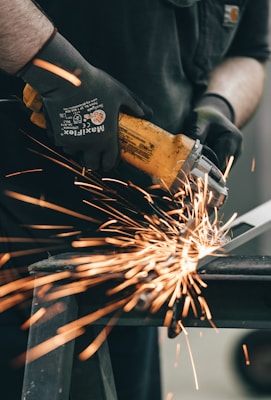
pixel 219 102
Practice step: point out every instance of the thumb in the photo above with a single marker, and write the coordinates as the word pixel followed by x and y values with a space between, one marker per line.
pixel 135 106
pixel 196 126
pixel 224 148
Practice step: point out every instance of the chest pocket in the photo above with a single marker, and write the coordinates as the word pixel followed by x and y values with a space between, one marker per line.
pixel 218 21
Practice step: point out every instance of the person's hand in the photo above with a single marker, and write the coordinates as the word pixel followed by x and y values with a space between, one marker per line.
pixel 81 103
pixel 211 121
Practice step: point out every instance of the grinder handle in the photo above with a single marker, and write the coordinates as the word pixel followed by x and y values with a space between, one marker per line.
pixel 143 145
pixel 152 149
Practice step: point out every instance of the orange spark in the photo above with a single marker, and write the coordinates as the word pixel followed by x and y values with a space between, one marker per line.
pixel 44 314
pixel 46 204
pixel 33 319
pixel 66 290
pixel 4 259
pixel 23 172
pixel 9 302
pixel 47 346
pixel 98 341
pixel 47 226
pixel 67 234
pixel 182 328
pixel 192 361
pixel 245 350
pixel 168 318
pixel 253 162
pixel 177 355
pixel 115 181
pixel 43 289
pixel 87 243
pixel 213 326
pixel 68 76
pixel 90 318
pixel 228 168
pixel 28 282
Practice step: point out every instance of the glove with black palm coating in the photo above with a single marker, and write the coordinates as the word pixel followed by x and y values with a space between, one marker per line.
pixel 212 122
pixel 80 102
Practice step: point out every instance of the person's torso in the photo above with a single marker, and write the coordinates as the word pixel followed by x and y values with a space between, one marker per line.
pixel 162 50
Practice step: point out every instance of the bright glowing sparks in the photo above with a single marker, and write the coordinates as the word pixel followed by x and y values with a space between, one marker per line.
pixel 169 396
pixel 23 172
pixel 253 162
pixel 98 341
pixel 177 355
pixel 46 204
pixel 245 350
pixel 229 165
pixel 34 318
pixel 192 362
pixel 151 254
pixel 47 346
pixel 4 259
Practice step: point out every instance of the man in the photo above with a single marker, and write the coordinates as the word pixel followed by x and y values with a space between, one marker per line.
pixel 199 66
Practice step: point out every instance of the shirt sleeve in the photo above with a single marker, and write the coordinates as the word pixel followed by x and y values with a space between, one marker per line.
pixel 253 37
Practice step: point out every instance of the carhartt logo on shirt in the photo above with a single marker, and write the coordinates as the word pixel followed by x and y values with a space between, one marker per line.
pixel 231 15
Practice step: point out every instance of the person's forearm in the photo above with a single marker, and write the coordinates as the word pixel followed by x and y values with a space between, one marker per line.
pixel 23 31
pixel 241 81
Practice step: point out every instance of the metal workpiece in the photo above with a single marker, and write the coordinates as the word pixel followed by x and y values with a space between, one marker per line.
pixel 238 294
pixel 244 229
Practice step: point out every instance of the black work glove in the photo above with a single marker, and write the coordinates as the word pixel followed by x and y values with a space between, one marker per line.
pixel 212 122
pixel 81 107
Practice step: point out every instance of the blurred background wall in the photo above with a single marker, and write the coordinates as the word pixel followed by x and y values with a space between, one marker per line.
pixel 249 189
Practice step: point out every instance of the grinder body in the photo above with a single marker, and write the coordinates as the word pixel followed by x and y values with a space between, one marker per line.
pixel 171 160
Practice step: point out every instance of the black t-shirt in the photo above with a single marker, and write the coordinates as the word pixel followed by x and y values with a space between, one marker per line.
pixel 162 50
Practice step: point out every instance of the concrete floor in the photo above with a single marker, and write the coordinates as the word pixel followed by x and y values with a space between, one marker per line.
pixel 215 369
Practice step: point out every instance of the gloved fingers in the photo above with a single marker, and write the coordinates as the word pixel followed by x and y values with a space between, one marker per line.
pixel 82 158
pixel 195 126
pixel 91 159
pixel 110 157
pixel 225 147
pixel 226 140
pixel 98 160
pixel 136 107
pixel 70 151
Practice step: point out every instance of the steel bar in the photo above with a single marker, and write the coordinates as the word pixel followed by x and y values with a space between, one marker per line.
pixel 238 294
pixel 245 228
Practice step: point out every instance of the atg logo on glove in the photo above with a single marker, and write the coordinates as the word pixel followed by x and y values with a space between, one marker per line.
pixel 83 119
pixel 97 117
